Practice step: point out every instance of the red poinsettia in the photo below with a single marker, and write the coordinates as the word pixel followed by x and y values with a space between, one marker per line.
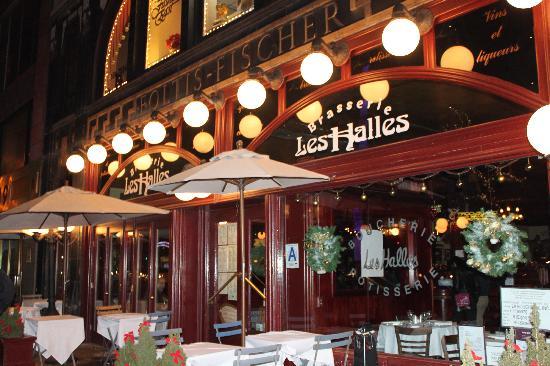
pixel 129 337
pixel 173 42
pixel 534 363
pixel 476 357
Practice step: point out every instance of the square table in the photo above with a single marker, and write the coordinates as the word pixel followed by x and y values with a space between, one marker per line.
pixel 42 304
pixel 57 336
pixel 119 324
pixel 207 354
pixel 387 340
pixel 296 346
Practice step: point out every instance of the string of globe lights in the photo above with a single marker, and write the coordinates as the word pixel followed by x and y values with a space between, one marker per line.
pixel 400 37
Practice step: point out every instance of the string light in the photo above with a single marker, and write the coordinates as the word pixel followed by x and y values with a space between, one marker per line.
pixel 459 182
pixel 363 196
pixel 424 188
pixel 528 166
pixel 501 178
pixel 316 200
pixel 392 191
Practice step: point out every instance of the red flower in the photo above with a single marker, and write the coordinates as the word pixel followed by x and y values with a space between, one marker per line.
pixel 173 42
pixel 534 363
pixel 476 357
pixel 129 337
pixel 168 340
pixel 117 355
pixel 177 357
pixel 146 324
pixel 517 348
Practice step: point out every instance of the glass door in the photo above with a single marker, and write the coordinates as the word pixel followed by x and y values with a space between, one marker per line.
pixel 162 275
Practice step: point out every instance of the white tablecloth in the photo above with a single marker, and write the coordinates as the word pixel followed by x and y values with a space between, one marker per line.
pixel 29 312
pixel 57 335
pixel 207 354
pixel 41 304
pixel 296 346
pixel 119 324
pixel 387 341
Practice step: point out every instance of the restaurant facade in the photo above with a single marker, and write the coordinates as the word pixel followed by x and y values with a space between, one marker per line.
pixel 407 141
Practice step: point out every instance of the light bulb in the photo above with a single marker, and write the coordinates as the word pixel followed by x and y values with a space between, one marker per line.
pixel 203 142
pixel 524 4
pixel 364 196
pixel 462 222
pixel 310 113
pixel 143 162
pixel 75 163
pixel 96 154
pixel 154 132
pixel 423 187
pixel 394 231
pixel 400 37
pixel 112 168
pixel 392 191
pixel 184 196
pixel 250 126
pixel 316 68
pixel 459 182
pixel 316 200
pixel 196 113
pixel 458 57
pixel 501 178
pixel 251 94
pixel 122 143
pixel 202 195
pixel 538 130
pixel 170 157
pixel 528 166
pixel 375 91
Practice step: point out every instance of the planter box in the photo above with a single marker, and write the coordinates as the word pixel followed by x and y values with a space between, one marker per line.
pixel 16 351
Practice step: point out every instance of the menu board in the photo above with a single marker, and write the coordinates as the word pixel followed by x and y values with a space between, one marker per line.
pixel 475 336
pixel 516 304
pixel 227 258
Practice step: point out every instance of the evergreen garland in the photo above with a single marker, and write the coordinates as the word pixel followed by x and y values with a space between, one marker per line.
pixel 144 352
pixel 495 229
pixel 323 248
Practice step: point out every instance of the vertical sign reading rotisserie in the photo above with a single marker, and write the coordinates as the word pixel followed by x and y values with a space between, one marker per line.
pixel 163 30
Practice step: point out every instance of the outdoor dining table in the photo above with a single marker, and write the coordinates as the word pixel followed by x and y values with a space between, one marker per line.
pixel 29 312
pixel 296 346
pixel 57 336
pixel 118 325
pixel 387 341
pixel 207 354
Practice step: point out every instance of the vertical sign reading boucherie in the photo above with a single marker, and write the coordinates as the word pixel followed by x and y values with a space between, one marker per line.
pixel 163 30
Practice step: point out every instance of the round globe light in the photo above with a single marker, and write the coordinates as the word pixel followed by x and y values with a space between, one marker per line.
pixel 112 168
pixel 462 222
pixel 316 68
pixel 250 126
pixel 524 4
pixel 203 142
pixel 143 162
pixel 202 195
pixel 375 91
pixel 394 231
pixel 75 163
pixel 122 143
pixel 441 229
pixel 170 157
pixel 184 196
pixel 538 130
pixel 310 113
pixel 442 222
pixel 400 37
pixel 154 132
pixel 251 94
pixel 96 154
pixel 196 113
pixel 458 57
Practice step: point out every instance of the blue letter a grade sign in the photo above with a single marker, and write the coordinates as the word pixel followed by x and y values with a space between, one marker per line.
pixel 292 256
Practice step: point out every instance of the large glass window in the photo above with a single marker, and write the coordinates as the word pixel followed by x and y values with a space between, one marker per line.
pixel 218 13
pixel 100 274
pixel 142 241
pixel 163 269
pixel 163 30
pixel 116 264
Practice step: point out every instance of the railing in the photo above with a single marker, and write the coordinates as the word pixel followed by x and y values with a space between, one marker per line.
pixel 246 279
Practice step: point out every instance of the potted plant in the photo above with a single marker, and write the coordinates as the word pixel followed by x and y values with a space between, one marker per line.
pixel 16 349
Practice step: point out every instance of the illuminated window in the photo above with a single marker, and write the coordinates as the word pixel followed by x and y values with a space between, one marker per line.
pixel 163 30
pixel 116 71
pixel 218 13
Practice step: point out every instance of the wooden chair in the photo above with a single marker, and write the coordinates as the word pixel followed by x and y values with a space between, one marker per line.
pixel 419 345
pixel 227 329
pixel 258 355
pixel 450 353
pixel 108 309
pixel 331 341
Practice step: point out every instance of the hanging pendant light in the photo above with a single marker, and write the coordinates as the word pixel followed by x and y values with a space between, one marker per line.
pixel 196 113
pixel 122 143
pixel 154 132
pixel 250 126
pixel 96 154
pixel 251 94
pixel 317 67
pixel 401 35
pixel 143 162
pixel 75 163
pixel 538 130
pixel 203 142
pixel 310 113
pixel 524 4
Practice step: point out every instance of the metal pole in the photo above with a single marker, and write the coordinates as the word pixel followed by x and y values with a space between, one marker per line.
pixel 65 259
pixel 243 262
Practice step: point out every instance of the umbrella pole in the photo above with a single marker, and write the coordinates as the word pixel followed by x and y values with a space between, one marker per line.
pixel 243 262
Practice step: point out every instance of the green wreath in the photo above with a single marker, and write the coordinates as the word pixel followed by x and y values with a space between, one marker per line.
pixel 495 229
pixel 322 248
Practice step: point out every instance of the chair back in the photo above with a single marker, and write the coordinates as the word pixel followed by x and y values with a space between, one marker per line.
pixel 258 355
pixel 449 345
pixel 227 329
pixel 413 341
pixel 159 336
pixel 160 319
pixel 331 341
pixel 108 309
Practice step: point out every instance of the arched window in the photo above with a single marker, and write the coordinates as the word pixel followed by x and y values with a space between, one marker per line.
pixel 116 60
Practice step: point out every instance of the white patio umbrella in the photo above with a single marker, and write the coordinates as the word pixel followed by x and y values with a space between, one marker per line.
pixel 231 172
pixel 69 206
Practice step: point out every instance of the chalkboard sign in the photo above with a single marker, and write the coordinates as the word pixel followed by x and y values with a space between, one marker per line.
pixel 516 304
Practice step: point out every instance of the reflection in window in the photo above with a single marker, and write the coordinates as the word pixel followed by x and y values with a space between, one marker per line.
pixel 116 60
pixel 116 250
pixel 163 269
pixel 143 270
pixel 100 274
pixel 218 13
pixel 163 30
